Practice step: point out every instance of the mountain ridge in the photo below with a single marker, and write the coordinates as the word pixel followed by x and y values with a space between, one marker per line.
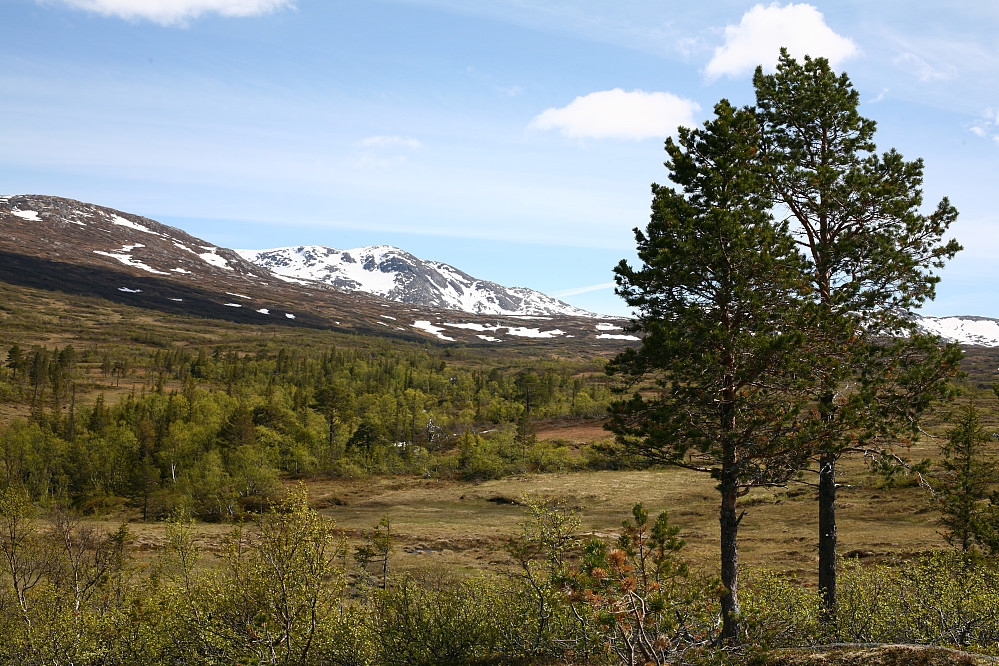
pixel 397 275
pixel 65 245
pixel 58 243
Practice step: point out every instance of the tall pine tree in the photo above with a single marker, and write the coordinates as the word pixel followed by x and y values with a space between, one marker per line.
pixel 716 297
pixel 871 256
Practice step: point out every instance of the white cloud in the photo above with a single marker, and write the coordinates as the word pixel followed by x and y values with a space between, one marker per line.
pixel 620 115
pixel 923 70
pixel 763 30
pixel 390 142
pixel 173 12
pixel 988 126
pixel 584 290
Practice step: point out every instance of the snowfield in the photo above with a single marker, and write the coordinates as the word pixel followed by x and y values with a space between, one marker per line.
pixel 122 222
pixel 211 257
pixel 524 332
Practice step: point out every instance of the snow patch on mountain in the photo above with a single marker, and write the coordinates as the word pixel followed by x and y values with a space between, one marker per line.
pixel 124 257
pixel 524 332
pixel 291 280
pixel 122 222
pixel 399 276
pixel 474 327
pixel 981 331
pixel 425 325
pixel 212 257
pixel 29 215
pixel 611 336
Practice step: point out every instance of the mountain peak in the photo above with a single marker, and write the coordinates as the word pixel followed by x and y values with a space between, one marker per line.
pixel 397 275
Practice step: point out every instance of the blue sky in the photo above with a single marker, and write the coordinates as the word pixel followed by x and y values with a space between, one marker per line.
pixel 514 139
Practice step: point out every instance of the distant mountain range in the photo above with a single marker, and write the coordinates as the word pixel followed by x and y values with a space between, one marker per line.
pixel 399 276
pixel 55 243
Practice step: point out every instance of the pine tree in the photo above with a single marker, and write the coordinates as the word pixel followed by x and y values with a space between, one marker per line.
pixel 15 360
pixel 871 254
pixel 336 404
pixel 970 509
pixel 717 296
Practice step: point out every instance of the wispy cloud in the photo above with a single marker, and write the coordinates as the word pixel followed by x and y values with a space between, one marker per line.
pixel 763 30
pixel 390 142
pixel 510 91
pixel 175 12
pixel 384 151
pixel 923 70
pixel 988 126
pixel 584 290
pixel 620 115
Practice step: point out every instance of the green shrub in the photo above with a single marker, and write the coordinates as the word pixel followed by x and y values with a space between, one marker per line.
pixel 942 599
pixel 438 620
pixel 778 612
pixel 547 456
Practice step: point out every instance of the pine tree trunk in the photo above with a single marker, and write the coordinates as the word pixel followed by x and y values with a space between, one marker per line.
pixel 729 551
pixel 827 535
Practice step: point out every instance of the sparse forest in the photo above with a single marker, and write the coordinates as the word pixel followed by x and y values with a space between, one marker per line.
pixel 214 431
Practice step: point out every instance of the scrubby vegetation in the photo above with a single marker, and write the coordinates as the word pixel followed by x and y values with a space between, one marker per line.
pixel 190 428
pixel 284 589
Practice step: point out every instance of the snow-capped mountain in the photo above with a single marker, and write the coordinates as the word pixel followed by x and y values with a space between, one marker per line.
pixel 62 245
pixel 981 331
pixel 399 276
pixel 52 243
